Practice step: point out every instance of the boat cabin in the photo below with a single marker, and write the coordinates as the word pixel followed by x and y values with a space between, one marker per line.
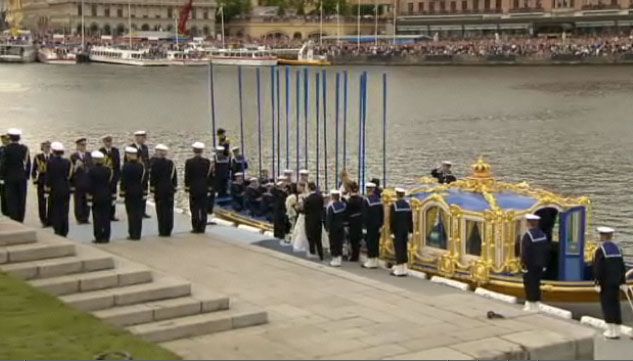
pixel 471 229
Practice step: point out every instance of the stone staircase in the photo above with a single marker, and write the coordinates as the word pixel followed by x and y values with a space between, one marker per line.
pixel 153 306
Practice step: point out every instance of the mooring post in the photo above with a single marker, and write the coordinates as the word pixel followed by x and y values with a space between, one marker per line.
pixel 325 160
pixel 212 102
pixel 336 120
pixel 239 90
pixel 317 108
pixel 273 119
pixel 259 120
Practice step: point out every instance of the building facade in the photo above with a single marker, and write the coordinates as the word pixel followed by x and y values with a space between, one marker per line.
pixel 111 17
pixel 531 17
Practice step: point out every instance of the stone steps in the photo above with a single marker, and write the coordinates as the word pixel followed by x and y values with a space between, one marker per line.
pixel 58 266
pixel 197 325
pixel 128 295
pixel 92 281
pixel 162 310
pixel 115 290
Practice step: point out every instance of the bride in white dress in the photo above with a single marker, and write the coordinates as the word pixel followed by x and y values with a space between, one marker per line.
pixel 299 237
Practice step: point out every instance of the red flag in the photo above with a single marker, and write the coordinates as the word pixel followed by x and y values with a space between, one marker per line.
pixel 184 17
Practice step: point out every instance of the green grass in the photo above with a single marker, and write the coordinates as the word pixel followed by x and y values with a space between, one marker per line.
pixel 35 325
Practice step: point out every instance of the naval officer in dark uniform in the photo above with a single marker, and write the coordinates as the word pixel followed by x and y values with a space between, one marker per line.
pixel 140 140
pixel 355 220
pixel 59 172
pixel 534 256
pixel 610 277
pixel 81 162
pixel 401 223
pixel 163 184
pixel 4 138
pixel 113 161
pixel 134 190
pixel 198 183
pixel 100 196
pixel 16 167
pixel 373 218
pixel 222 171
pixel 336 216
pixel 444 174
pixel 38 174
pixel 238 163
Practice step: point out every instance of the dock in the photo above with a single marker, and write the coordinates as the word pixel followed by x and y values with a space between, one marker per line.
pixel 315 311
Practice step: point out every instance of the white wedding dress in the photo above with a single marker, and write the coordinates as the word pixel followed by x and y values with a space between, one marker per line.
pixel 299 237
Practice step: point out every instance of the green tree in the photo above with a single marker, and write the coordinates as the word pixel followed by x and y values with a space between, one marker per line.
pixel 232 8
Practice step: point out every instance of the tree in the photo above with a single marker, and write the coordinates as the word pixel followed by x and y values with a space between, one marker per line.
pixel 233 8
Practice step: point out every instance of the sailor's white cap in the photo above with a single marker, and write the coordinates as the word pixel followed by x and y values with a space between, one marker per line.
pixel 280 183
pixel 235 148
pixel 304 172
pixel 219 148
pixel 532 217
pixel 335 192
pixel 239 174
pixel 14 131
pixel 288 171
pixel 140 132
pixel 96 154
pixel 282 178
pixel 198 145
pixel 253 179
pixel 400 190
pixel 605 230
pixel 447 162
pixel 57 146
pixel 131 150
pixel 107 136
pixel 161 147
pixel 269 184
pixel 370 185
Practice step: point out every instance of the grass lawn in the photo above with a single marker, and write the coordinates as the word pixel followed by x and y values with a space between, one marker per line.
pixel 35 325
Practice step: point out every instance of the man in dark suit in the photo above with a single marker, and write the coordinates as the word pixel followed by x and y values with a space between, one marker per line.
pixel 81 162
pixel 134 190
pixel 401 219
pixel 15 167
pixel 313 209
pixel 163 183
pixel 59 172
pixel 100 197
pixel 199 184
pixel 140 138
pixel 112 160
pixel 38 174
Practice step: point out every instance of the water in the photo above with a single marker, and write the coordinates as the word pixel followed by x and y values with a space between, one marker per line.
pixel 567 129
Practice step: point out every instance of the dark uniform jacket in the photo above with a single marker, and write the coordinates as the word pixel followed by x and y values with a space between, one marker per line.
pixel 15 163
pixel 336 217
pixel 238 164
pixel 442 176
pixel 133 182
pixel 401 218
pixel 373 211
pixel 100 177
pixel 112 161
pixel 535 249
pixel 608 265
pixel 59 172
pixel 38 171
pixel 355 210
pixel 198 176
pixel 81 165
pixel 162 177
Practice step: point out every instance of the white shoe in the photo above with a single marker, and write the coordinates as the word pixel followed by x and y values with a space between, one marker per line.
pixel 311 256
pixel 531 306
pixel 371 263
pixel 399 271
pixel 612 332
pixel 336 261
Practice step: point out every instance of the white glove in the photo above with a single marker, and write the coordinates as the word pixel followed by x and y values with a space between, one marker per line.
pixel 624 288
pixel 597 288
pixel 144 198
pixel 114 202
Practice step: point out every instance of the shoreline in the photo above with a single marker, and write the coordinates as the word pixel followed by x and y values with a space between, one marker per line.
pixel 449 60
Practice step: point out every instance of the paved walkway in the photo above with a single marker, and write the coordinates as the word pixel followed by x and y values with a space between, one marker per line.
pixel 319 312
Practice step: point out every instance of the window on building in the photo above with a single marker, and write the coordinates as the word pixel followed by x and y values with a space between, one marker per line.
pixel 119 13
pixel 453 6
pixel 487 4
pixel 515 4
pixel 474 236
pixel 170 13
pixel 106 12
pixel 498 4
pixel 410 8
pixel 464 5
pixel 205 15
pixel 432 7
pixel 442 5
pixel 193 14
pixel 79 10
pixel 614 2
pixel 475 4
pixel 93 10
pixel 420 7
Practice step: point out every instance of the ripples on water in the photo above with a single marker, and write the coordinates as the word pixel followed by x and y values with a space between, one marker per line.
pixel 567 129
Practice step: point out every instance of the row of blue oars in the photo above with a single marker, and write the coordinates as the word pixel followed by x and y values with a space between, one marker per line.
pixel 321 115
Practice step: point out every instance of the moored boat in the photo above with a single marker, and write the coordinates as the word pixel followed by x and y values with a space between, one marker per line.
pixel 57 56
pixel 140 57
pixel 306 57
pixel 245 57
pixel 187 57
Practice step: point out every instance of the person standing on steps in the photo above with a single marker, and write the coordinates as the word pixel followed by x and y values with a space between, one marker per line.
pixel 38 174
pixel 58 188
pixel 134 191
pixel 198 184
pixel 401 226
pixel 100 197
pixel 163 184
pixel 373 218
pixel 112 161
pixel 535 257
pixel 610 278
pixel 81 162
pixel 15 166
pixel 313 210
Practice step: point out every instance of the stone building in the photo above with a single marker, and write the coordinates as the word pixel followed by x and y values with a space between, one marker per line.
pixel 111 17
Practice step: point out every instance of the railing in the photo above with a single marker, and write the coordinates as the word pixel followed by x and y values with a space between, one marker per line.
pixel 307 19
pixel 455 12
pixel 527 10
pixel 601 7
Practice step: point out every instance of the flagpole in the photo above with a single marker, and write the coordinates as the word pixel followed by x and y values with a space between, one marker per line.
pixel 176 30
pixel 129 22
pixel 376 23
pixel 222 10
pixel 358 27
pixel 321 25
pixel 338 24
pixel 395 19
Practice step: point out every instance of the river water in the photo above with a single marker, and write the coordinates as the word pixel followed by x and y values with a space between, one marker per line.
pixel 567 129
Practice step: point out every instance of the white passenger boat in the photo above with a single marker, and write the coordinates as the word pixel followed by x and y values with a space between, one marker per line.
pixel 57 56
pixel 140 57
pixel 17 48
pixel 247 57
pixel 187 57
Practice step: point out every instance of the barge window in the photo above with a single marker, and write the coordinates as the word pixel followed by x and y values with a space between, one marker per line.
pixel 573 233
pixel 474 231
pixel 436 233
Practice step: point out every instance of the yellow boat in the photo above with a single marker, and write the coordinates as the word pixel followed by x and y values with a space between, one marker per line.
pixel 306 57
pixel 469 231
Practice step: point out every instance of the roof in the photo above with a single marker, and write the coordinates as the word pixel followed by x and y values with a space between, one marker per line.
pixel 476 202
